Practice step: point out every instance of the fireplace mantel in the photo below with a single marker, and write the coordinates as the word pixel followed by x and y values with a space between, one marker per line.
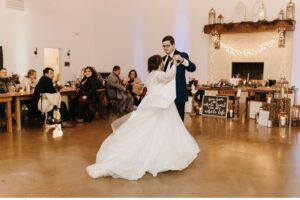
pixel 250 27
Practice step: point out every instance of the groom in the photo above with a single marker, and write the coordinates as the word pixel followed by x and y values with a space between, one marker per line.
pixel 168 44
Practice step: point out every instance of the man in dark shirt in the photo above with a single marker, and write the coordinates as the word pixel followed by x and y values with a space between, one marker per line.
pixel 5 83
pixel 45 85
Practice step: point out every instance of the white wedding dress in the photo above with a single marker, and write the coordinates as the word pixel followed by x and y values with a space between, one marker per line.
pixel 151 139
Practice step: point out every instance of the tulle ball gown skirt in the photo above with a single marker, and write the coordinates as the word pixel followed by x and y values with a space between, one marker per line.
pixel 148 140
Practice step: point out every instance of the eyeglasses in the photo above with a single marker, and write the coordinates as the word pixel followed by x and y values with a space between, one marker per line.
pixel 166 46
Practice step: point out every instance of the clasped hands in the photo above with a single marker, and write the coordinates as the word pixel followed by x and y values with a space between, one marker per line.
pixel 177 59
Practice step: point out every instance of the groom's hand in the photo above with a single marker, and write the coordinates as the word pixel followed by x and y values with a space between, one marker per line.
pixel 178 59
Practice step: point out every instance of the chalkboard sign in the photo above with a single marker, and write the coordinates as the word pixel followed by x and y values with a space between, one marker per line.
pixel 215 106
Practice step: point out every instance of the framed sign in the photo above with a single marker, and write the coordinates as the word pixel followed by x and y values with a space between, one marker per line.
pixel 215 106
pixel 253 108
pixel 263 117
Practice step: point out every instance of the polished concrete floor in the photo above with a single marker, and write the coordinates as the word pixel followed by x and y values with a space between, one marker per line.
pixel 238 159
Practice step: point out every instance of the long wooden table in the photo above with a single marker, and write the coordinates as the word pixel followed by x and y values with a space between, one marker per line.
pixel 22 96
pixel 243 89
pixel 256 92
pixel 7 100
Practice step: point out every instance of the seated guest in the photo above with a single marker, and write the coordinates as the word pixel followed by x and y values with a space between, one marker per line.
pixel 135 86
pixel 5 81
pixel 30 79
pixel 15 78
pixel 5 84
pixel 117 91
pixel 45 85
pixel 85 103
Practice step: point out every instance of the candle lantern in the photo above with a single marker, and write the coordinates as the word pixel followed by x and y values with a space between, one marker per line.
pixel 220 19
pixel 295 112
pixel 296 115
pixel 290 10
pixel 282 119
pixel 281 15
pixel 282 86
pixel 212 16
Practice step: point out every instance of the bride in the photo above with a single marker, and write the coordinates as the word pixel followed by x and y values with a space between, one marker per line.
pixel 151 139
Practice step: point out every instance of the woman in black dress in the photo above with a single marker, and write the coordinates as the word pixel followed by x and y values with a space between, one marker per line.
pixel 86 99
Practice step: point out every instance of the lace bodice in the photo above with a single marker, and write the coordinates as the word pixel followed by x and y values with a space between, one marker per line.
pixel 156 78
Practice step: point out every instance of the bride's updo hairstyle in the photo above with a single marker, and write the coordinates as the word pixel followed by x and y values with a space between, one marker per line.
pixel 154 62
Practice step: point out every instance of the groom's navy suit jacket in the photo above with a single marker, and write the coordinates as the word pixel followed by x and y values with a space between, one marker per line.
pixel 181 90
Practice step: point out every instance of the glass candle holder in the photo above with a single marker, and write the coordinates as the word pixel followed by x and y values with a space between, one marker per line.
pixel 269 98
pixel 270 123
pixel 282 119
pixel 230 113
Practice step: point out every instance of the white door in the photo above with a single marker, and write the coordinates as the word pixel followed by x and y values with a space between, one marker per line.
pixel 51 59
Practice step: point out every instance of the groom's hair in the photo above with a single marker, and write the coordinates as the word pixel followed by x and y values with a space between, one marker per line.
pixel 169 38
pixel 154 62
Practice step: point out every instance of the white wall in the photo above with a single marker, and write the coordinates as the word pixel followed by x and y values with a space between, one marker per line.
pixel 47 23
pixel 296 57
pixel 123 32
pixel 131 30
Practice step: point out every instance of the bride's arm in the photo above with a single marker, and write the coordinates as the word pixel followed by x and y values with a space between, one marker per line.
pixel 165 77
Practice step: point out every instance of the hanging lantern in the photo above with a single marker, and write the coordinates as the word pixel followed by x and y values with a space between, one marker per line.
pixel 281 37
pixel 212 16
pixel 215 37
pixel 290 10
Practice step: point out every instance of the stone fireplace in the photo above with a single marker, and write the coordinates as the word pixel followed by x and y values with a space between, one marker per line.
pixel 261 47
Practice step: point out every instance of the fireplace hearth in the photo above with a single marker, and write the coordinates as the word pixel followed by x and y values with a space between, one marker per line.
pixel 248 70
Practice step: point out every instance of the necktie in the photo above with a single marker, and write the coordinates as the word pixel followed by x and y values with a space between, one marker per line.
pixel 167 63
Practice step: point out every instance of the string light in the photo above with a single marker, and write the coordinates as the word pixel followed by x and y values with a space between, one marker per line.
pixel 213 74
pixel 250 52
